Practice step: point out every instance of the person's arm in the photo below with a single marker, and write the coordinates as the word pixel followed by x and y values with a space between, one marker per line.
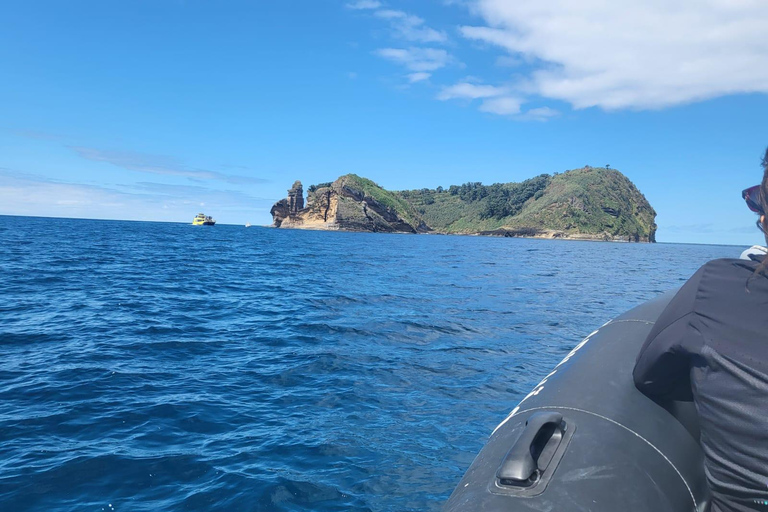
pixel 662 369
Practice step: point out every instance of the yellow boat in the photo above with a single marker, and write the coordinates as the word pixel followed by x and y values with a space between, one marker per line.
pixel 203 220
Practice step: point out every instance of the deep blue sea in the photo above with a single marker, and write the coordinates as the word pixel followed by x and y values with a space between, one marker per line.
pixel 165 367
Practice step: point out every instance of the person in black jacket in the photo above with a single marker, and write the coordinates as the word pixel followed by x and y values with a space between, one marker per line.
pixel 710 345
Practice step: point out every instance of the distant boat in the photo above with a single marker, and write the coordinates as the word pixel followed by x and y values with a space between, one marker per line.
pixel 247 224
pixel 203 220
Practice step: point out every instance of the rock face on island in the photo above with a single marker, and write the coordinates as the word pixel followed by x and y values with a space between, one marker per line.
pixel 291 206
pixel 350 203
pixel 589 203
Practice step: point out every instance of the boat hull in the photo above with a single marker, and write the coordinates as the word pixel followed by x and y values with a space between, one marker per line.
pixel 202 219
pixel 590 440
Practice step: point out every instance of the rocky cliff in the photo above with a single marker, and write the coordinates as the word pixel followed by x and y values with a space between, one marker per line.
pixel 587 203
pixel 350 203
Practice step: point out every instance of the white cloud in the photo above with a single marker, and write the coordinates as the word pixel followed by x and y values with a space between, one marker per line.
pixel 417 59
pixel 389 14
pixel 628 54
pixel 539 114
pixel 364 4
pixel 503 106
pixel 503 101
pixel 422 61
pixel 506 61
pixel 410 27
pixel 467 90
pixel 418 77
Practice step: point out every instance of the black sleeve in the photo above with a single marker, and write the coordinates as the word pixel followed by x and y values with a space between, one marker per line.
pixel 663 364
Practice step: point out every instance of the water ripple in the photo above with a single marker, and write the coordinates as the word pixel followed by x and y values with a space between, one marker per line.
pixel 151 367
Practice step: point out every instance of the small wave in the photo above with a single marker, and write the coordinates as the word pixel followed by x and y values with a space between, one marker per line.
pixel 158 367
pixel 286 494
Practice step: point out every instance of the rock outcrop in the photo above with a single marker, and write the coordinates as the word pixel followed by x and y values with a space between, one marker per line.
pixel 350 203
pixel 290 207
pixel 295 198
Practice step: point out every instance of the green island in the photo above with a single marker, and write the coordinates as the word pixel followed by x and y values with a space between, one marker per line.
pixel 590 203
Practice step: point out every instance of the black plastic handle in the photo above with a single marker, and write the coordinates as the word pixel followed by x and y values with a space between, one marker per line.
pixel 533 450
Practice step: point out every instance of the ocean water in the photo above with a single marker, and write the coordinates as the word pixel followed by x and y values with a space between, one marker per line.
pixel 154 367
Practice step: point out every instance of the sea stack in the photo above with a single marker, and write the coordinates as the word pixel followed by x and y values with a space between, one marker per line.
pixel 290 207
pixel 295 198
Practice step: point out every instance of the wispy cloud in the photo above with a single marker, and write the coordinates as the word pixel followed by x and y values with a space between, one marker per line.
pixel 417 59
pixel 418 77
pixel 158 164
pixel 506 61
pixel 503 106
pixel 468 90
pixel 503 101
pixel 411 28
pixel 231 197
pixel 364 4
pixel 420 60
pixel 28 194
pixel 630 55
pixel 539 114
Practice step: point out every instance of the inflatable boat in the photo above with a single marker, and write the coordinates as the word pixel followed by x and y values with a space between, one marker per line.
pixel 585 439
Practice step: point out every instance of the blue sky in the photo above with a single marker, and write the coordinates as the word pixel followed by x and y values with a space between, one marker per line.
pixel 158 109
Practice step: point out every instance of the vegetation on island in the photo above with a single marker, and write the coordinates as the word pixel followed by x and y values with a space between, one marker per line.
pixel 596 202
pixel 474 207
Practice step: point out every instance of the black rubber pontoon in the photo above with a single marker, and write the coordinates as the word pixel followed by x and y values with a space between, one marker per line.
pixel 586 439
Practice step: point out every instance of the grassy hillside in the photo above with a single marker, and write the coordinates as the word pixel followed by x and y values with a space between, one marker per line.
pixel 591 200
pixel 587 201
pixel 392 200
